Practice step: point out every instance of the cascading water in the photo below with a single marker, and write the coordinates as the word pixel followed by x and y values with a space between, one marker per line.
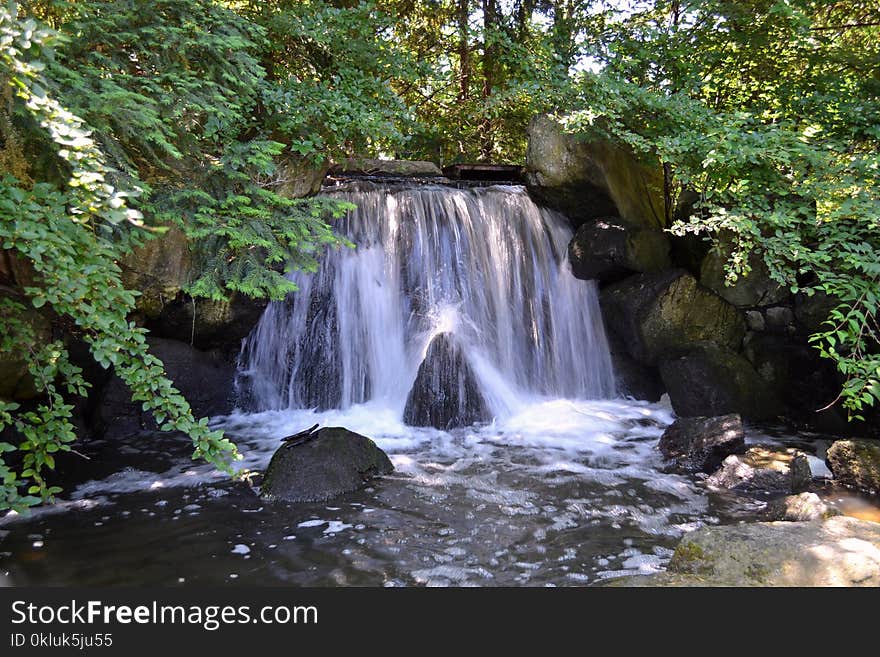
pixel 484 264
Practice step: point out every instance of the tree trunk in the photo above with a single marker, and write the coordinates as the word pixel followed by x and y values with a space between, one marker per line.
pixel 490 56
pixel 464 50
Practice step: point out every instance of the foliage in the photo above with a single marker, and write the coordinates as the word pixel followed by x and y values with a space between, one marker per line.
pixel 770 112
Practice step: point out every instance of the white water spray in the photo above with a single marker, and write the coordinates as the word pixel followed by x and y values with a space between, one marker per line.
pixel 486 264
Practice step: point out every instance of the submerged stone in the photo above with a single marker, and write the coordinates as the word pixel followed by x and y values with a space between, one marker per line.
pixel 445 394
pixel 331 462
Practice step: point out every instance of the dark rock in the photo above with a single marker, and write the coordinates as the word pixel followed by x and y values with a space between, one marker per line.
pixel 204 379
pixel 590 179
pixel 702 443
pixel 755 320
pixel 711 380
pixel 663 314
pixel 754 289
pixel 800 508
pixel 609 249
pixel 764 470
pixel 445 394
pixel 780 319
pixel 208 324
pixel 334 461
pixel 856 464
pixel 812 311
pixel 16 381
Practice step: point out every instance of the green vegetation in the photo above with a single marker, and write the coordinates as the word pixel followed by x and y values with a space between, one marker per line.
pixel 119 119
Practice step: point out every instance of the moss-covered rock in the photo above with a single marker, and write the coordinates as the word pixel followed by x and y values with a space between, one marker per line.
pixel 856 464
pixel 332 462
pixel 667 313
pixel 755 289
pixel 15 380
pixel 590 179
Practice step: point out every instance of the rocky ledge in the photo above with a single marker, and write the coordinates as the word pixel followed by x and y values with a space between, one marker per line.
pixel 839 551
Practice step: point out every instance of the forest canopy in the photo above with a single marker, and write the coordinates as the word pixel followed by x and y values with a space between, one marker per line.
pixel 120 118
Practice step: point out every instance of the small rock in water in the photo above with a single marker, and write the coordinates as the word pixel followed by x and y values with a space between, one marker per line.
pixel 764 469
pixel 806 506
pixel 702 443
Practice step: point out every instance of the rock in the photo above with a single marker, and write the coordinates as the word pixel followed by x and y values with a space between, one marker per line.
pixel 711 380
pixel 300 178
pixel 609 249
pixel 663 314
pixel 755 320
pixel 16 382
pixel 702 443
pixel 800 508
pixel 812 311
pixel 445 394
pixel 204 380
pixel 780 319
pixel 392 168
pixel 334 461
pixel 839 551
pixel 764 469
pixel 159 270
pixel 589 179
pixel 208 324
pixel 856 464
pixel 755 289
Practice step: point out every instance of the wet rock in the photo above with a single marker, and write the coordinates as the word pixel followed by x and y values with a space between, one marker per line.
pixel 332 462
pixel 839 551
pixel 610 249
pixel 590 179
pixel 755 320
pixel 763 470
pixel 812 311
pixel 373 167
pixel 702 443
pixel 445 394
pixel 800 508
pixel 663 314
pixel 204 379
pixel 713 380
pixel 856 464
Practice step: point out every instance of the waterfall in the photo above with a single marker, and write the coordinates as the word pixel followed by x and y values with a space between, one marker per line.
pixel 483 264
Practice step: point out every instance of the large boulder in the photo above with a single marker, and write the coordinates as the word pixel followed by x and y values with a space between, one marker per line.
pixel 763 470
pixel 204 379
pixel 702 443
pixel 754 289
pixel 589 179
pixel 712 380
pixel 609 249
pixel 445 394
pixel 331 462
pixel 662 314
pixel 856 464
